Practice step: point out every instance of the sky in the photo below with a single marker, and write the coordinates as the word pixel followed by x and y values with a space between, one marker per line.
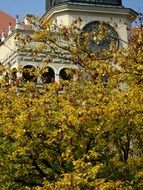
pixel 37 7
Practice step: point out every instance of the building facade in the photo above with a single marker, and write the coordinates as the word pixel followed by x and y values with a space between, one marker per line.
pixel 110 12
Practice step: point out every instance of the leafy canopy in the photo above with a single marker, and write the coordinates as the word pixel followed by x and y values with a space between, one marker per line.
pixel 81 134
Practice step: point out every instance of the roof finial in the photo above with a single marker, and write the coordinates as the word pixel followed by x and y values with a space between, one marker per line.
pixel 9 29
pixel 18 23
pixel 2 35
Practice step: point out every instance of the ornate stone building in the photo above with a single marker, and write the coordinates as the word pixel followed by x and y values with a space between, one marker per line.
pixel 91 12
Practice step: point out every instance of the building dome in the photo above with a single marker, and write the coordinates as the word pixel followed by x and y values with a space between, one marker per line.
pixel 51 3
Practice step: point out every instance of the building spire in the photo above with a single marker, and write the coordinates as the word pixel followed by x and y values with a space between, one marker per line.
pixel 9 29
pixel 18 23
pixel 2 35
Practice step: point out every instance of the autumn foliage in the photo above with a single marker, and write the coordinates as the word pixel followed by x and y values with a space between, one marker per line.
pixel 81 134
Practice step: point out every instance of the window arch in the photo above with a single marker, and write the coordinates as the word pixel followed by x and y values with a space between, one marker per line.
pixel 28 74
pixel 101 37
pixel 65 74
pixel 48 76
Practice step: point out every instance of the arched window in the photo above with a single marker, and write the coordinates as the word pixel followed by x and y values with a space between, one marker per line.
pixel 65 74
pixel 48 76
pixel 28 74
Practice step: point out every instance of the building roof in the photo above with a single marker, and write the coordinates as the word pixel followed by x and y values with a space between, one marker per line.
pixel 5 20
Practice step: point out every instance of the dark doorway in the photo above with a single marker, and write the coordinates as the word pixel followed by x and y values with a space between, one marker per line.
pixel 66 74
pixel 48 76
pixel 29 74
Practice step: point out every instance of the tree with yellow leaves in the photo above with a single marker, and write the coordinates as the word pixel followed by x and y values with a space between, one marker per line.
pixel 82 134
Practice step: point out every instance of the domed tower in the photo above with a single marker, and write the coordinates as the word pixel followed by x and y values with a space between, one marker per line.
pixel 110 12
pixel 51 3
